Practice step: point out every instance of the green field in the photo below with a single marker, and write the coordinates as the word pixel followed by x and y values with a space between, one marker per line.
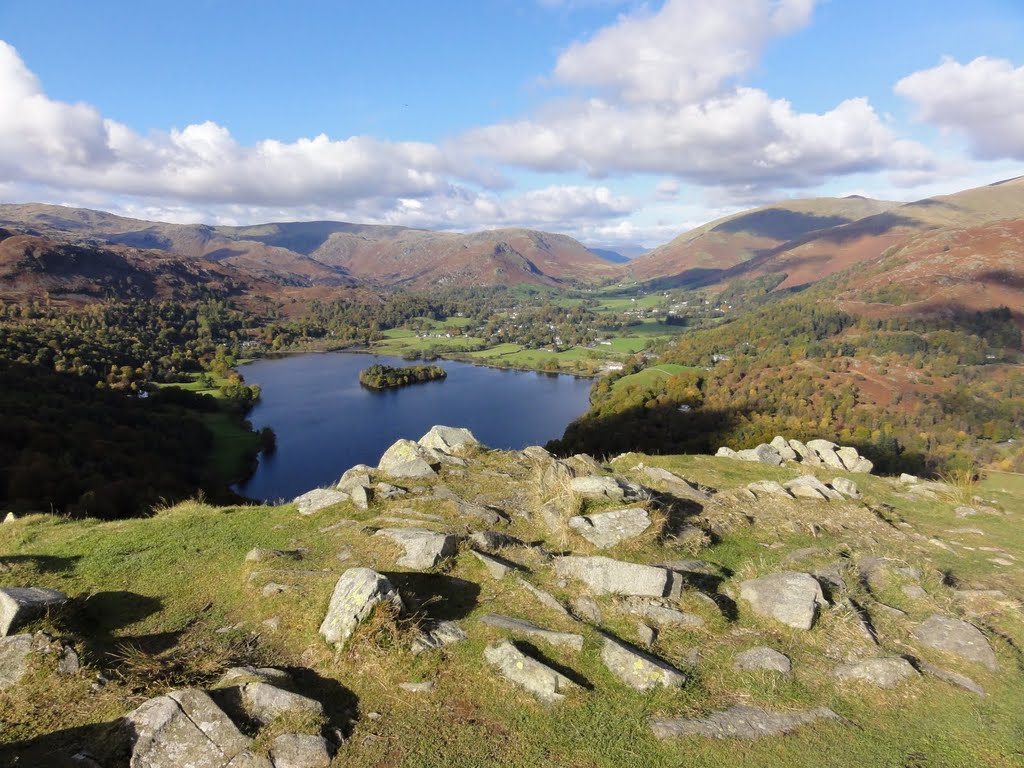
pixel 651 376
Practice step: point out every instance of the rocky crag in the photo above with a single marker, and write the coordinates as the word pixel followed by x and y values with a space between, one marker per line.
pixel 696 602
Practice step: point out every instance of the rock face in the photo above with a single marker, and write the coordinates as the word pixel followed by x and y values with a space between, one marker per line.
pixel 602 575
pixel 539 679
pixel 357 593
pixel 408 459
pixel 606 529
pixel 884 673
pixel 763 658
pixel 183 729
pixel 451 440
pixel 423 549
pixel 319 498
pixel 789 597
pixel 521 627
pixel 19 605
pixel 944 633
pixel 740 722
pixel 814 453
pixel 637 669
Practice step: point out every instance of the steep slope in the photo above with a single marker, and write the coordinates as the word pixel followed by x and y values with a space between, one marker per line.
pixel 733 240
pixel 322 253
pixel 940 273
pixel 817 255
pixel 32 266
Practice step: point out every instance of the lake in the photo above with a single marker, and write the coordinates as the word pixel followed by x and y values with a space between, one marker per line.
pixel 326 421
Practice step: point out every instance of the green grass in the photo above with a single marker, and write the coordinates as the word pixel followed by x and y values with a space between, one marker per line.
pixel 648 377
pixel 171 581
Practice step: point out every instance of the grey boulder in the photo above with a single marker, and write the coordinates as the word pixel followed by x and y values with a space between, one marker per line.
pixel 19 605
pixel 602 575
pixel 885 672
pixel 602 487
pixel 299 750
pixel 319 498
pixel 956 637
pixel 606 529
pixel 408 459
pixel 423 548
pixel 521 627
pixel 790 597
pixel 547 684
pixel 846 487
pixel 637 669
pixel 450 440
pixel 356 594
pixel 764 659
pixel 740 722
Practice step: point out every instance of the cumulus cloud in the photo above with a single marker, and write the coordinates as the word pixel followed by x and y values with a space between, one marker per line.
pixel 682 52
pixel 45 141
pixel 665 98
pixel 983 100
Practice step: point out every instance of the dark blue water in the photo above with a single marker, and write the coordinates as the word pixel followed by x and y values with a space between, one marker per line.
pixel 326 421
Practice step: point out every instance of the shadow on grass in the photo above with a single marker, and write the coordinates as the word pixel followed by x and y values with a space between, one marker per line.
pixel 440 597
pixel 531 650
pixel 41 563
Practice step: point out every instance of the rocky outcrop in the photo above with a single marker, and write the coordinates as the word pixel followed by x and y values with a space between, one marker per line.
pixel 356 594
pixel 790 597
pixel 605 488
pixel 298 750
pixel 547 684
pixel 606 529
pixel 815 453
pixel 19 605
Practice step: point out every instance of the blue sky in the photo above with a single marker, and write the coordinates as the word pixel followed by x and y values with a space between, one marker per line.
pixel 621 123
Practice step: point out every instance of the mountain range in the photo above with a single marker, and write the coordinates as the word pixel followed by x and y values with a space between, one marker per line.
pixel 963 249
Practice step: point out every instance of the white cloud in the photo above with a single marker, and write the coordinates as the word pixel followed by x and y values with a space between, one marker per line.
pixel 681 53
pixel 666 189
pixel 983 100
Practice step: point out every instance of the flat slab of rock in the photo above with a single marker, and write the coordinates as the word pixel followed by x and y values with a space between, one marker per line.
pixel 450 440
pixel 408 459
pixel 521 627
pixel 547 684
pixel 762 454
pixel 769 488
pixel 606 529
pixel 952 677
pixel 883 673
pixel 810 487
pixel 763 658
pixel 545 598
pixel 602 575
pixel 423 549
pixel 19 605
pixel 637 669
pixel 183 728
pixel 492 541
pixel 677 486
pixel 240 675
pixel 319 498
pixel 740 722
pixel 790 597
pixel 300 750
pixel 956 637
pixel 846 487
pixel 14 656
pixel 264 702
pixel 356 594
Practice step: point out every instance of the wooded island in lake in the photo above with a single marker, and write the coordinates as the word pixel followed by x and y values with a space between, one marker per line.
pixel 385 377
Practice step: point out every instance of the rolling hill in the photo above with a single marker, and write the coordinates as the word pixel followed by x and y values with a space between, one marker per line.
pixel 326 253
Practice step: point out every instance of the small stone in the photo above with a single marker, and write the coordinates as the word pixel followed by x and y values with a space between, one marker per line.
pixel 769 488
pixel 846 487
pixel 426 687
pixel 354 477
pixel 264 703
pixel 964 511
pixel 661 614
pixel 68 663
pixel 545 598
pixel 497 567
pixel 952 677
pixel 725 453
pixel 602 487
pixel 763 658
pixel 272 675
pixel 438 635
pixel 361 496
pixel 492 541
pixel 586 608
pixel 271 589
pixel 883 672
pixel 914 591
pixel 810 487
pixel 645 635
pixel 273 623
